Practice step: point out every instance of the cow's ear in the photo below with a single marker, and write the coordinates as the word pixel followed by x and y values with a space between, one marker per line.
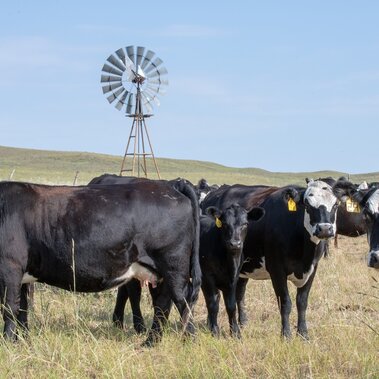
pixel 291 194
pixel 256 213
pixel 309 180
pixel 213 212
pixel 344 189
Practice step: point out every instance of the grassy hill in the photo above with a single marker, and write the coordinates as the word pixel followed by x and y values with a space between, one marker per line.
pixel 56 167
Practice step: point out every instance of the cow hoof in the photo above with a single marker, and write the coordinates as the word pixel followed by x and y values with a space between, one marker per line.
pixel 140 328
pixel 303 335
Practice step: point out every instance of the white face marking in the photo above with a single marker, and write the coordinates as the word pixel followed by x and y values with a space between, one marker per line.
pixel 27 278
pixel 301 282
pixel 137 271
pixel 203 195
pixel 317 196
pixel 373 202
pixel 258 274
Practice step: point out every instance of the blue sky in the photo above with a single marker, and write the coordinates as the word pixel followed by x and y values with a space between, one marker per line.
pixel 279 85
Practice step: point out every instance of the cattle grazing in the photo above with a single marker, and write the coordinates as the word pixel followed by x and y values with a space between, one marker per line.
pixel 287 244
pixel 93 238
pixel 222 234
pixel 368 200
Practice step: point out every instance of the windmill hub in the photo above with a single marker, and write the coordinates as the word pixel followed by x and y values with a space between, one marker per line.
pixel 132 80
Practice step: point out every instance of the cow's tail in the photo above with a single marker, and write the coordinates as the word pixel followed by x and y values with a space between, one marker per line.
pixel 194 288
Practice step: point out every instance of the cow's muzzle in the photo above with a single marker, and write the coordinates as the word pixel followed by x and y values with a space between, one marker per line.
pixel 235 245
pixel 373 259
pixel 324 231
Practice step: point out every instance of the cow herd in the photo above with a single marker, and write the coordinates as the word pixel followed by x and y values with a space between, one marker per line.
pixel 177 238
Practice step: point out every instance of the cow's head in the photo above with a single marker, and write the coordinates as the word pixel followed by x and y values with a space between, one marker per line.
pixel 233 223
pixel 368 200
pixel 320 201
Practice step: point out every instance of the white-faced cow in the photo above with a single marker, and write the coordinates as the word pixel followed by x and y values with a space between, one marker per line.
pixel 287 244
pixel 222 235
pixel 90 239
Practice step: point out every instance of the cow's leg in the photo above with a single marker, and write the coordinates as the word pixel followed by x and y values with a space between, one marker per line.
pixel 279 282
pixel 231 308
pixel 135 290
pixel 22 317
pixel 162 305
pixel 10 292
pixel 240 298
pixel 212 301
pixel 302 304
pixel 118 313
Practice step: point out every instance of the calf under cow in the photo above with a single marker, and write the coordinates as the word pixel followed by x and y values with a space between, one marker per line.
pixel 287 244
pixel 90 239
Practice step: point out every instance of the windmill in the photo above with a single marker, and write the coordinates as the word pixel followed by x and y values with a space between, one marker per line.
pixel 132 79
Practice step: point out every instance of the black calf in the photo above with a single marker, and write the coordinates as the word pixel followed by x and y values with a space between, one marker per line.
pixel 222 234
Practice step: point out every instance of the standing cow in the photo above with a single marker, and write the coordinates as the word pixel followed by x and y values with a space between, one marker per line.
pixel 132 290
pixel 287 244
pixel 222 235
pixel 90 239
pixel 368 200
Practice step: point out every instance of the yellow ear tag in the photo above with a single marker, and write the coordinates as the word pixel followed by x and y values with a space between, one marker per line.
pixel 218 222
pixel 352 206
pixel 291 205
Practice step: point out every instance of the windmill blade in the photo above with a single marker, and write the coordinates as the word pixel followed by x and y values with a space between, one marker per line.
pixel 131 55
pixel 114 95
pixel 147 102
pixel 140 52
pixel 111 87
pixel 116 62
pixel 152 90
pixel 157 62
pixel 148 58
pixel 130 104
pixel 153 97
pixel 121 54
pixel 157 73
pixel 121 102
pixel 109 78
pixel 111 70
pixel 159 81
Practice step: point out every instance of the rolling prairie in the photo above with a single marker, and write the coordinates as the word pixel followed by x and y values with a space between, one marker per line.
pixel 72 335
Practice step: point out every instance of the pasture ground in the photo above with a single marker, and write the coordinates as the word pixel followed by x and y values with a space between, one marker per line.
pixel 72 335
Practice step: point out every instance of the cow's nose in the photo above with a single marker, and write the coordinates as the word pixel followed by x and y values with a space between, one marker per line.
pixel 235 244
pixel 324 231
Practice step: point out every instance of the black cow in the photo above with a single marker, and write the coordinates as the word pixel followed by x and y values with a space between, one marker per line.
pixel 132 290
pixel 90 239
pixel 368 200
pixel 287 243
pixel 222 234
pixel 203 188
pixel 349 223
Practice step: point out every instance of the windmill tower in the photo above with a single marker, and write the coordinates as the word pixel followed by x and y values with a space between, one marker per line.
pixel 132 79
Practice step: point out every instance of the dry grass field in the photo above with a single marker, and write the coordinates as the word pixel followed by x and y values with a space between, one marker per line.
pixel 72 335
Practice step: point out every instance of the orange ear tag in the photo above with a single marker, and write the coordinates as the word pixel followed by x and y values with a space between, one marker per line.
pixel 352 206
pixel 218 222
pixel 291 205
